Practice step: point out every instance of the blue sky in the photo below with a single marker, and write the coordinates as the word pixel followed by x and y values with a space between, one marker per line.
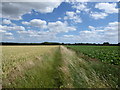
pixel 86 22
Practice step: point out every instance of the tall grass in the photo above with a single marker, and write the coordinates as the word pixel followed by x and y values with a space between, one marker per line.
pixel 88 72
pixel 55 67
pixel 38 70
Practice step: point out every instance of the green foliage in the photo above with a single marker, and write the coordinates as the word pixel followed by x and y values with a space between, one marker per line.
pixel 107 54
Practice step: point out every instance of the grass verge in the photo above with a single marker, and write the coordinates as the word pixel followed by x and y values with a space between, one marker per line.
pixel 91 73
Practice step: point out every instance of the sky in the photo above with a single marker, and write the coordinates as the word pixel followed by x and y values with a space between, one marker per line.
pixel 68 22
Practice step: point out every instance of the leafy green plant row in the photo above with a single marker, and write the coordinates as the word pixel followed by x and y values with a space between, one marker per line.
pixel 107 54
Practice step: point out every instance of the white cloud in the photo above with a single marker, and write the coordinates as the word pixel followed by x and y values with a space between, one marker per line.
pixel 81 7
pixel 11 28
pixel 68 36
pixel 25 23
pixel 17 28
pixel 107 7
pixel 112 28
pixel 77 11
pixel 91 27
pixel 6 21
pixel 8 38
pixel 59 26
pixel 14 10
pixel 108 33
pixel 59 18
pixel 98 15
pixel 33 35
pixel 98 35
pixel 73 16
pixel 112 24
pixel 70 14
pixel 36 23
pixel 23 32
pixel 102 34
pixel 8 34
pixel 5 35
pixel 2 31
pixel 53 28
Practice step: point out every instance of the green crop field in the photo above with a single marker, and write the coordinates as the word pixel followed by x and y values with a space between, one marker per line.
pixel 108 54
pixel 60 67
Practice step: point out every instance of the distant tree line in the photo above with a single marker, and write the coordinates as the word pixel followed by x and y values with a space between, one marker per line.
pixel 56 43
